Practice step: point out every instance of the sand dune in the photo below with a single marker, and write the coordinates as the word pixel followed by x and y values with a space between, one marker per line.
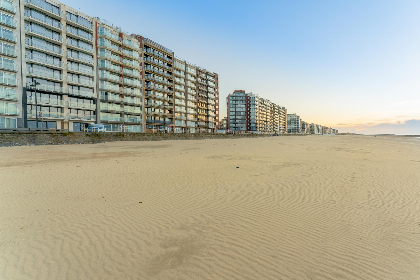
pixel 316 207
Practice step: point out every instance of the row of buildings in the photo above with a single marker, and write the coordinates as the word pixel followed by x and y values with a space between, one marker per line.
pixel 295 125
pixel 60 68
pixel 247 112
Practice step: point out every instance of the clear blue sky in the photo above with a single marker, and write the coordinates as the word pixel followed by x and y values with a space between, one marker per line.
pixel 353 65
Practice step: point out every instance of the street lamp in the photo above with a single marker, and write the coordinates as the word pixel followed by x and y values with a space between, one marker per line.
pixel 33 85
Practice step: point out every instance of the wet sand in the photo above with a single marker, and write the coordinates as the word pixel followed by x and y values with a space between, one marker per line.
pixel 315 207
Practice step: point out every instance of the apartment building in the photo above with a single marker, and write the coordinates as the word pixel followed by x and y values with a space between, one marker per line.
pixel 10 59
pixel 119 81
pixel 60 68
pixel 59 62
pixel 247 112
pixel 305 127
pixel 293 123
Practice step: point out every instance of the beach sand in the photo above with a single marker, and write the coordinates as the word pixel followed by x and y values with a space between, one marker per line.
pixel 315 207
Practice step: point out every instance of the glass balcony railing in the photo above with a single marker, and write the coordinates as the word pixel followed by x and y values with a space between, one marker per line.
pixel 44 5
pixel 5 94
pixel 8 81
pixel 46 47
pixel 109 76
pixel 82 105
pixel 108 44
pixel 110 118
pixel 45 114
pixel 86 82
pixel 75 56
pixel 132 119
pixel 80 69
pixel 8 6
pixel 81 116
pixel 8 51
pixel 83 93
pixel 111 97
pixel 55 37
pixel 46 101
pixel 4 110
pixel 44 73
pixel 7 65
pixel 76 32
pixel 51 23
pixel 132 110
pixel 88 48
pixel 43 59
pixel 7 36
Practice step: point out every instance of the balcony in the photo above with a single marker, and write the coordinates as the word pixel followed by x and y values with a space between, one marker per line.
pixel 110 89
pixel 159 64
pixel 7 6
pixel 8 37
pixel 103 32
pixel 111 98
pixel 45 49
pixel 110 77
pixel 80 48
pixel 131 73
pixel 80 105
pixel 131 44
pixel 79 81
pixel 41 6
pixel 46 36
pixel 88 39
pixel 129 119
pixel 44 74
pixel 7 81
pixel 158 88
pixel 107 45
pixel 37 59
pixel 111 67
pixel 47 102
pixel 81 117
pixel 8 23
pixel 46 115
pixel 133 83
pixel 81 93
pixel 153 121
pixel 9 96
pixel 6 66
pixel 109 56
pixel 9 111
pixel 82 25
pixel 56 26
pixel 8 51
pixel 149 68
pixel 79 70
pixel 150 77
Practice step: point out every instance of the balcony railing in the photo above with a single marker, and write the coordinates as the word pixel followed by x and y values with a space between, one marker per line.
pixel 85 82
pixel 110 118
pixel 42 59
pixel 53 24
pixel 46 101
pixel 9 111
pixel 56 38
pixel 132 119
pixel 82 93
pixel 8 6
pixel 7 36
pixel 79 69
pixel 82 105
pixel 81 117
pixel 9 95
pixel 45 114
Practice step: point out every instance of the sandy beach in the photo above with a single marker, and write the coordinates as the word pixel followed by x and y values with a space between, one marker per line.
pixel 314 207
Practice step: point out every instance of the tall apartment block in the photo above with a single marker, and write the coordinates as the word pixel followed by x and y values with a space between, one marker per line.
pixel 293 123
pixel 247 112
pixel 80 69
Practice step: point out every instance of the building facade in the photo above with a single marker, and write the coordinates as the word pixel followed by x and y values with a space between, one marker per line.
pixel 247 112
pixel 293 123
pixel 80 69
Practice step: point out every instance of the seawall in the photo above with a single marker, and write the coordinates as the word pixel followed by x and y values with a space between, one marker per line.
pixel 9 139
